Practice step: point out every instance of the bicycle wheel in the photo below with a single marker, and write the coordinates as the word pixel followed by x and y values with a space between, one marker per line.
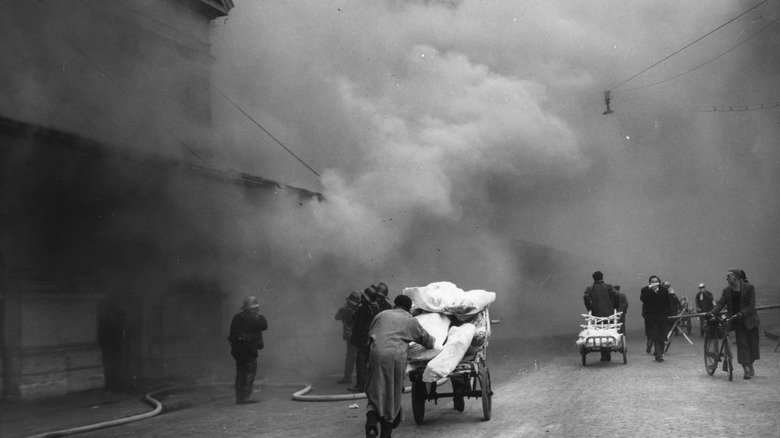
pixel 727 358
pixel 711 354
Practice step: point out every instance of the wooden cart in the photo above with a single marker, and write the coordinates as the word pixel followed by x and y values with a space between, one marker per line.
pixel 602 333
pixel 470 378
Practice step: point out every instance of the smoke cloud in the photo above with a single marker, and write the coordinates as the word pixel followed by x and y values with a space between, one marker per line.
pixel 456 141
pixel 450 134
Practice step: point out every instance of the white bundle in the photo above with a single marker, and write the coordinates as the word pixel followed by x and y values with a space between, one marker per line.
pixel 445 297
pixel 437 325
pixel 585 334
pixel 458 341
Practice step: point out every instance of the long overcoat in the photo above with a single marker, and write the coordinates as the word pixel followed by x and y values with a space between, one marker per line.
pixel 390 333
pixel 747 302
pixel 656 307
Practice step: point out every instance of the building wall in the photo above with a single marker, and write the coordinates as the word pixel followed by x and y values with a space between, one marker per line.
pixel 102 103
pixel 133 73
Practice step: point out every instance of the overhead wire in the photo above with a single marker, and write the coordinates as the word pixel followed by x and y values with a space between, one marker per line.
pixel 165 128
pixel 705 63
pixel 266 131
pixel 727 108
pixel 690 44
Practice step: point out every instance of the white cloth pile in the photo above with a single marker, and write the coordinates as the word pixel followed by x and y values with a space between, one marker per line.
pixel 442 304
pixel 585 334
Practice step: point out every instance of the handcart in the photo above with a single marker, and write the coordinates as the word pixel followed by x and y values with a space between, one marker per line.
pixel 470 378
pixel 602 333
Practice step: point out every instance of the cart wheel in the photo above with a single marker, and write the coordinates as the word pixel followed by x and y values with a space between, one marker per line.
pixel 487 393
pixel 711 355
pixel 419 394
pixel 688 326
pixel 625 350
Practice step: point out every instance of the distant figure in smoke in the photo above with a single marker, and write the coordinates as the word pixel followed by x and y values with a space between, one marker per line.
pixel 655 298
pixel 601 300
pixel 390 334
pixel 704 303
pixel 370 305
pixel 246 337
pixel 111 337
pixel 622 308
pixel 739 299
pixel 346 315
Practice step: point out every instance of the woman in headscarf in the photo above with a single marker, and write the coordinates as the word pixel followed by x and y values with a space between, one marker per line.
pixel 390 333
pixel 739 299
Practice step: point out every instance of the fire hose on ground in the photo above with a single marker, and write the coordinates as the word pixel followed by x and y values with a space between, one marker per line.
pixel 149 398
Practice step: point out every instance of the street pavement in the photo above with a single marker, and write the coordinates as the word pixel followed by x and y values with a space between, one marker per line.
pixel 540 389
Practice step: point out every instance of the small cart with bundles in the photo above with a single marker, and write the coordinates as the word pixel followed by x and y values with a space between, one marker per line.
pixel 469 378
pixel 602 333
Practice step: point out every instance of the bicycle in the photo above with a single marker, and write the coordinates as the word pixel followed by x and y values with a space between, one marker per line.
pixel 717 345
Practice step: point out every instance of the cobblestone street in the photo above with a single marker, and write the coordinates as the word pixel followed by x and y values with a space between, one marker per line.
pixel 541 389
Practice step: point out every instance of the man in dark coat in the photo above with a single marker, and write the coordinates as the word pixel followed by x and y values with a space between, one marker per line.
pixel 739 299
pixel 601 300
pixel 368 308
pixel 246 337
pixel 346 315
pixel 656 302
pixel 704 303
pixel 390 334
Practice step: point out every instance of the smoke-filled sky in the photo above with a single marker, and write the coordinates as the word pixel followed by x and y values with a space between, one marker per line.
pixel 446 131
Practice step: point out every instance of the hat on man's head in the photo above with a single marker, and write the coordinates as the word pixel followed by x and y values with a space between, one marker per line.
pixel 617 287
pixel 701 285
pixel 382 289
pixel 250 303
pixel 354 297
pixel 404 302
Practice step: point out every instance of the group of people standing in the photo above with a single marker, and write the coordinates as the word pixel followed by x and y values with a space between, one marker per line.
pixel 659 302
pixel 378 334
pixel 356 316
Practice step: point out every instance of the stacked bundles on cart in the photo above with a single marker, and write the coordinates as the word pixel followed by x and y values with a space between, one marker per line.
pixel 456 318
pixel 600 331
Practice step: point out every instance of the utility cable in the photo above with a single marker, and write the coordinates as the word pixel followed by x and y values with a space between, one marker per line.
pixel 705 63
pixel 690 44
pixel 266 131
pixel 729 108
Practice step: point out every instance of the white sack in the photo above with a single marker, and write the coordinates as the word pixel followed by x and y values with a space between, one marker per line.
pixel 458 341
pixel 437 325
pixel 584 334
pixel 445 297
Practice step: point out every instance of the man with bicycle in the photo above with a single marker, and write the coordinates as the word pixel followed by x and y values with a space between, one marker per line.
pixel 739 299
